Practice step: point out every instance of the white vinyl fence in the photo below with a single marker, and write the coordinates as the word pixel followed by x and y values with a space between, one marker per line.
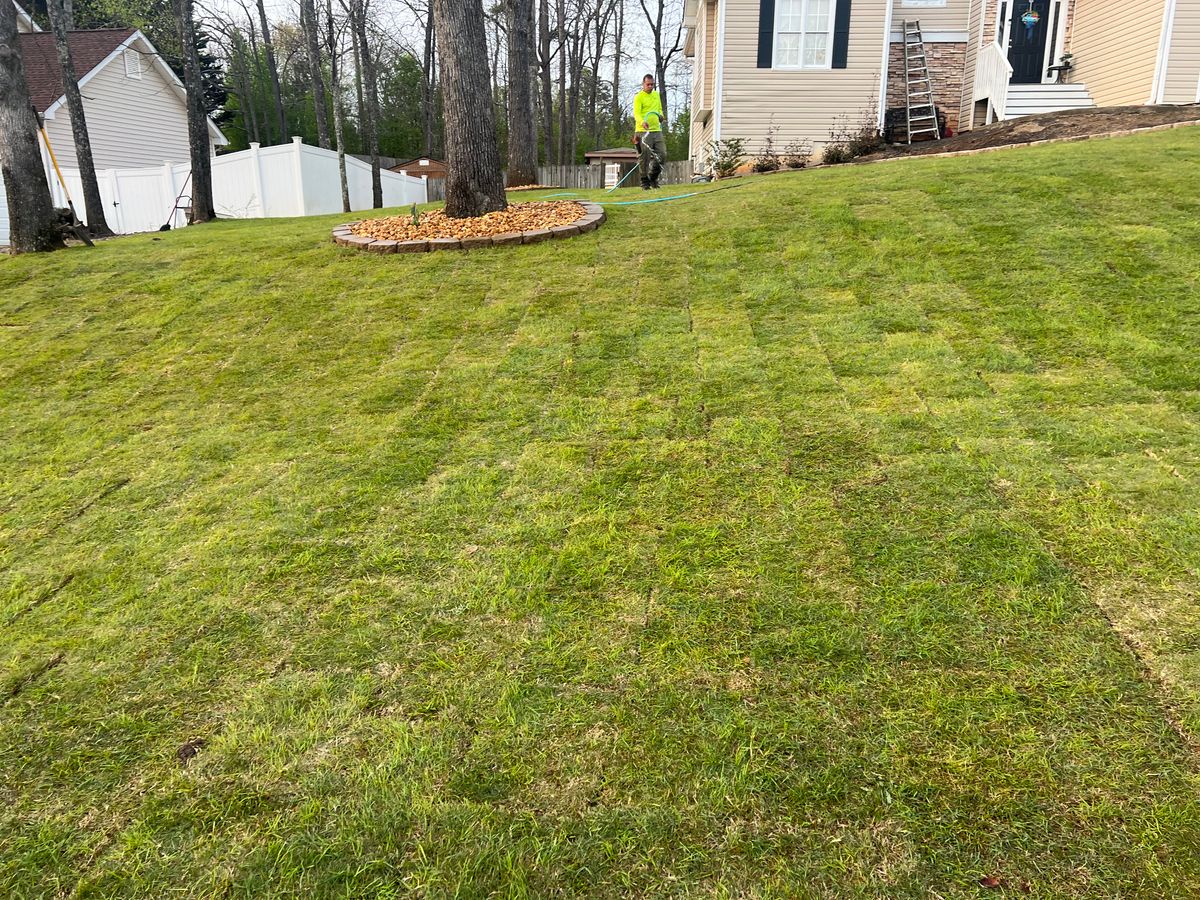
pixel 262 182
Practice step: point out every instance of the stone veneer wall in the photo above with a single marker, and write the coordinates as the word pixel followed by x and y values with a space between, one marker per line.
pixel 946 65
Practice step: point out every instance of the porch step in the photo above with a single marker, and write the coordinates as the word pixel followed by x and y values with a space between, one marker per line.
pixel 1032 99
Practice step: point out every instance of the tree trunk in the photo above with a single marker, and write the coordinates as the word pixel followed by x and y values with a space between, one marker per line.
pixel 427 77
pixel 252 74
pixel 310 27
pixel 522 130
pixel 245 82
pixel 199 146
pixel 33 224
pixel 92 204
pixel 617 110
pixel 475 182
pixel 561 8
pixel 544 61
pixel 269 49
pixel 339 119
pixel 358 18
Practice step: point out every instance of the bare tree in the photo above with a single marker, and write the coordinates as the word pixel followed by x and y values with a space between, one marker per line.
pixel 366 65
pixel 311 27
pixel 333 38
pixel 522 129
pixel 618 51
pixel 33 224
pixel 545 60
pixel 660 30
pixel 273 69
pixel 199 142
pixel 475 183
pixel 60 23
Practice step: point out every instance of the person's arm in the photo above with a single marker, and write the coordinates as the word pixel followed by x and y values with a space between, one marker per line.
pixel 639 112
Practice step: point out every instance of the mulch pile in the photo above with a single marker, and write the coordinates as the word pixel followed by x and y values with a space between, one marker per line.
pixel 1064 124
pixel 531 187
pixel 436 224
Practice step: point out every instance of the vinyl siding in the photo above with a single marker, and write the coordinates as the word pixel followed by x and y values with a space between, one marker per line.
pixel 982 11
pixel 804 104
pixel 132 122
pixel 1116 52
pixel 704 81
pixel 950 17
pixel 1183 60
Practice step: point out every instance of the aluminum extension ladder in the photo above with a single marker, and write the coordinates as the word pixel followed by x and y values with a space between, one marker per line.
pixel 920 115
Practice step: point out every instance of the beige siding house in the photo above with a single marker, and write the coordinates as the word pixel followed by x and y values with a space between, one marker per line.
pixel 803 69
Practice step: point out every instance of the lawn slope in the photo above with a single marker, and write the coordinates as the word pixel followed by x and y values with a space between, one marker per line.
pixel 831 536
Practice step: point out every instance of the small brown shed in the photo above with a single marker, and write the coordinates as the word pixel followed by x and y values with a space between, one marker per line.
pixel 422 165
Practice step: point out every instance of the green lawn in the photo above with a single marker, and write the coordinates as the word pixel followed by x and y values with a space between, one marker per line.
pixel 833 536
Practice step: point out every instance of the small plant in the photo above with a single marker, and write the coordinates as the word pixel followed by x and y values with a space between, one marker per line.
pixel 849 141
pixel 836 153
pixel 767 159
pixel 727 156
pixel 797 154
pixel 416 216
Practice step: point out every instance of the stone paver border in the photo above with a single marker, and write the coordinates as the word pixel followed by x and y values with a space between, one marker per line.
pixel 593 217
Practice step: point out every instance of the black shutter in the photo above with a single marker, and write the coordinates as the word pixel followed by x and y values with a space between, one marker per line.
pixel 841 33
pixel 766 33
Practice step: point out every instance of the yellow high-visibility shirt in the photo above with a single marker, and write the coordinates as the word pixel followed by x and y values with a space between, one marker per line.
pixel 643 105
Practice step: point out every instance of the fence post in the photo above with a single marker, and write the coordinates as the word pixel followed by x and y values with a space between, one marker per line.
pixel 256 178
pixel 425 187
pixel 298 160
pixel 169 178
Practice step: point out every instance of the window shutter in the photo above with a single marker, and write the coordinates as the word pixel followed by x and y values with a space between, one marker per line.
pixel 766 33
pixel 841 33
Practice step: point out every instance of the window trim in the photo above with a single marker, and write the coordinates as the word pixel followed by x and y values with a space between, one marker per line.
pixel 828 66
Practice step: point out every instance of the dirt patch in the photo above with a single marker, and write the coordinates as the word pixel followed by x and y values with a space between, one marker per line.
pixel 1048 126
pixel 188 750
pixel 436 224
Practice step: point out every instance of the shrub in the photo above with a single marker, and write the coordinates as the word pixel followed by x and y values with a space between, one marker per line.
pixel 797 155
pixel 768 160
pixel 849 141
pixel 836 153
pixel 727 156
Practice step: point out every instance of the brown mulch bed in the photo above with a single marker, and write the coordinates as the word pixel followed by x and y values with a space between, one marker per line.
pixel 531 187
pixel 436 224
pixel 1047 126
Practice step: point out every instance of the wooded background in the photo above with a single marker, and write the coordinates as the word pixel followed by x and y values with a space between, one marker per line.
pixel 320 68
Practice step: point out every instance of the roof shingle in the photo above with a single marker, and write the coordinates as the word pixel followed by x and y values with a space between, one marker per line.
pixel 88 50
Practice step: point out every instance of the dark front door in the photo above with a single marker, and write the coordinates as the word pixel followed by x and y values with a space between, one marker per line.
pixel 1027 44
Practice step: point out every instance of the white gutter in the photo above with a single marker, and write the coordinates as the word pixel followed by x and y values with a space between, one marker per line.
pixel 1159 89
pixel 884 65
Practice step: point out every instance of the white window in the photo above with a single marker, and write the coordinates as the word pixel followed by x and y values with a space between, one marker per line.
pixel 803 34
pixel 133 64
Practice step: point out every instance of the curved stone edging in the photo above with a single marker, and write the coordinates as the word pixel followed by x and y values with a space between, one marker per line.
pixel 593 217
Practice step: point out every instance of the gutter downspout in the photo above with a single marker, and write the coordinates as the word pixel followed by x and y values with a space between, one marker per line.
pixel 719 71
pixel 884 65
pixel 1159 88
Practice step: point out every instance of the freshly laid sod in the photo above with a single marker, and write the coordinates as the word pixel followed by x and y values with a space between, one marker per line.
pixel 833 536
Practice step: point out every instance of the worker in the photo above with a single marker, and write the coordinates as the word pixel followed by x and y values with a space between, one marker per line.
pixel 648 136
